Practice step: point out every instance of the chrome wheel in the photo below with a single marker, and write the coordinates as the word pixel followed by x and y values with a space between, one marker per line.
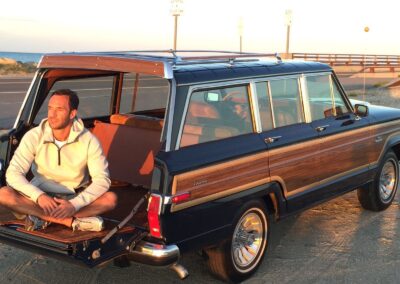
pixel 388 180
pixel 249 240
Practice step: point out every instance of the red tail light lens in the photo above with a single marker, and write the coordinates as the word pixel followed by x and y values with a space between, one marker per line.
pixel 153 215
pixel 181 197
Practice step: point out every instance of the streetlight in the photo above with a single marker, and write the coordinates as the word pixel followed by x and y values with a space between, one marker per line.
pixel 176 11
pixel 366 30
pixel 288 22
pixel 240 30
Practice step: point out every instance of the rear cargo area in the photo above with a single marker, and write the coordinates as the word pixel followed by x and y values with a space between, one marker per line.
pixel 128 196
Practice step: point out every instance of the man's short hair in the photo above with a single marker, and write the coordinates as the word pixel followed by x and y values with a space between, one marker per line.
pixel 73 97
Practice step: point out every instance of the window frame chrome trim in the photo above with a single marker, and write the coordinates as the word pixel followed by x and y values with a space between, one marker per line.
pixel 305 98
pixel 195 88
pixel 254 104
pixel 35 78
pixel 171 112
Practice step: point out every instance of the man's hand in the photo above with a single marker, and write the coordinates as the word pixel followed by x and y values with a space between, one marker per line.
pixel 64 209
pixel 47 203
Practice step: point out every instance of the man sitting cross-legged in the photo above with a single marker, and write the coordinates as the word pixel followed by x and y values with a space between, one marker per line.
pixel 70 175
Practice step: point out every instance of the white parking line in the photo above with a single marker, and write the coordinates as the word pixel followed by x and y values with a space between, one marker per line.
pixel 17 92
pixel 11 83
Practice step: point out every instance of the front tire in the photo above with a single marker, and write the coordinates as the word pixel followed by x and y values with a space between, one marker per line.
pixel 237 258
pixel 380 194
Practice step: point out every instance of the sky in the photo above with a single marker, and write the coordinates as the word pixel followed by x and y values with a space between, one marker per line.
pixel 88 25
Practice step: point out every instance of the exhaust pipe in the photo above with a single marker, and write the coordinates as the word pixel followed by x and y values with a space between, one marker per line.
pixel 180 270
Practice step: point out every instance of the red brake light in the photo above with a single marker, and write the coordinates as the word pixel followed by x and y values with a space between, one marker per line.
pixel 180 197
pixel 153 212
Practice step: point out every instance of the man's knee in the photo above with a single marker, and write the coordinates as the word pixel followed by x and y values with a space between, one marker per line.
pixel 111 200
pixel 8 196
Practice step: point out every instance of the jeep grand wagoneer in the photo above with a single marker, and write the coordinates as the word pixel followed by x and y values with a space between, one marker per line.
pixel 204 149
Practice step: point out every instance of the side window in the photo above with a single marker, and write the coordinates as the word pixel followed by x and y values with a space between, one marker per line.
pixel 264 105
pixel 143 92
pixel 94 96
pixel 286 102
pixel 216 114
pixel 324 97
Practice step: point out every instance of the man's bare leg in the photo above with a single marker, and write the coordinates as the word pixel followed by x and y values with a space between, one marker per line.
pixel 16 202
pixel 19 203
pixel 104 203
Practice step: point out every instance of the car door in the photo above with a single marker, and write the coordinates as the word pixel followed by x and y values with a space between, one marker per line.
pixel 292 143
pixel 345 139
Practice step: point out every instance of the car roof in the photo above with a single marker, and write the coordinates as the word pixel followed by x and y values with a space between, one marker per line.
pixel 191 74
pixel 191 67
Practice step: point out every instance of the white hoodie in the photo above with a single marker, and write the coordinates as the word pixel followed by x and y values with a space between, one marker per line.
pixel 60 170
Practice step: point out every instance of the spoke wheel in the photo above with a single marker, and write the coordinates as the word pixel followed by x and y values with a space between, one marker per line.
pixel 378 195
pixel 248 239
pixel 238 257
pixel 388 180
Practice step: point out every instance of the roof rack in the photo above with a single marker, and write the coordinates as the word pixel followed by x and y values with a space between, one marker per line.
pixel 200 57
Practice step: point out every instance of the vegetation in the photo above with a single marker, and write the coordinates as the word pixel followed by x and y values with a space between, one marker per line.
pixel 19 68
pixel 379 84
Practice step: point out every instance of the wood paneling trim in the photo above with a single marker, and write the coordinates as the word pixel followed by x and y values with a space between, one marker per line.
pixel 155 68
pixel 217 181
pixel 220 194
pixel 325 181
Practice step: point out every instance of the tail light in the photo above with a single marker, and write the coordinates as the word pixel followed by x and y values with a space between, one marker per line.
pixel 153 215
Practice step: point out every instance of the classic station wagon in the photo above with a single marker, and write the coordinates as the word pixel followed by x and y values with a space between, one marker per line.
pixel 204 149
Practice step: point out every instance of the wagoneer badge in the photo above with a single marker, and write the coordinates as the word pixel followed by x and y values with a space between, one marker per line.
pixel 200 182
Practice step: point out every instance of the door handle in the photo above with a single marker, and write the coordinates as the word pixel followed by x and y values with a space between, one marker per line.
pixel 321 128
pixel 272 139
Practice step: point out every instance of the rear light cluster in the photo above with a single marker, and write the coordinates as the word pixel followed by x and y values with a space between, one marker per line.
pixel 153 215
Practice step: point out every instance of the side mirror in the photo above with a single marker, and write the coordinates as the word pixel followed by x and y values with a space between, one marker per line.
pixel 361 110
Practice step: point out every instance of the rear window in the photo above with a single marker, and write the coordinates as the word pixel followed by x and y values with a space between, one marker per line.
pixel 94 96
pixel 143 92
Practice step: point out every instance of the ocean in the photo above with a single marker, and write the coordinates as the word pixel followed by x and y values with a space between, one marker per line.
pixel 22 56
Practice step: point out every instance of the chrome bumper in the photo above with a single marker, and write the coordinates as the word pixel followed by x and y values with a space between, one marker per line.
pixel 154 254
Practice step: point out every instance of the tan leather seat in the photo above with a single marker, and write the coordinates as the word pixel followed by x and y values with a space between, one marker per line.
pixel 130 151
pixel 139 121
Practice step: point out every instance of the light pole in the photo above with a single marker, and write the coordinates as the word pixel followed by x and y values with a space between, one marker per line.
pixel 366 30
pixel 288 21
pixel 240 30
pixel 176 11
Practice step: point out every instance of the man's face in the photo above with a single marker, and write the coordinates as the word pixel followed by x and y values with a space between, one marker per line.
pixel 59 113
pixel 241 111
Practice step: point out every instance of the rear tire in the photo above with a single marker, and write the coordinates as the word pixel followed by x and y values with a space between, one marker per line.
pixel 380 193
pixel 238 257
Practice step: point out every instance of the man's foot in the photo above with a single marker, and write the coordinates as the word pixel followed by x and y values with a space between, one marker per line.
pixel 94 224
pixel 33 223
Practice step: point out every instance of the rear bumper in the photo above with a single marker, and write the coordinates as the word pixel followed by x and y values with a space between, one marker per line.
pixel 154 254
pixel 93 252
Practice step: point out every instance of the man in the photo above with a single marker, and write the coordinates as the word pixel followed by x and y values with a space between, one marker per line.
pixel 70 174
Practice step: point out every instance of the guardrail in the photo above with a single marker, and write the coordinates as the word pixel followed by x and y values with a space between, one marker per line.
pixel 365 61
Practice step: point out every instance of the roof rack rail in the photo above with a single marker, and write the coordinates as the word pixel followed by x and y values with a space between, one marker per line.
pixel 201 57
